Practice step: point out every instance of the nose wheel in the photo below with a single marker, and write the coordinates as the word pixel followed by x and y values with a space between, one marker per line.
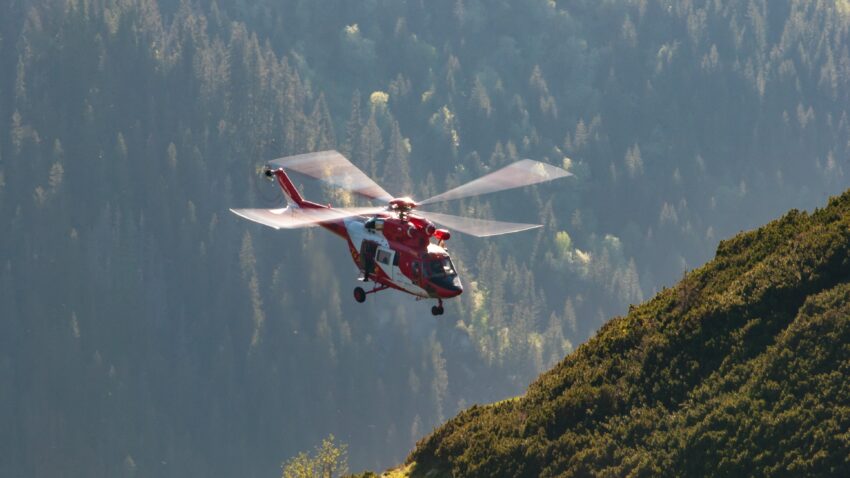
pixel 437 309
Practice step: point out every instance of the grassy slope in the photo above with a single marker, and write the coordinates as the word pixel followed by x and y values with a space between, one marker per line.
pixel 740 369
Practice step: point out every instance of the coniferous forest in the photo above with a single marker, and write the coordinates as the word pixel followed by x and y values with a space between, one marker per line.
pixel 147 331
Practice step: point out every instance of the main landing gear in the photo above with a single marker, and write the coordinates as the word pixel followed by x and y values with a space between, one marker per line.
pixel 437 309
pixel 360 294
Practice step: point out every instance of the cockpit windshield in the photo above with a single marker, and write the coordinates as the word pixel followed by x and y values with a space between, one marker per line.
pixel 440 267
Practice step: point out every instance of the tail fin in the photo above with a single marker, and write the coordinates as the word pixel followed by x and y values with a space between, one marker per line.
pixel 293 197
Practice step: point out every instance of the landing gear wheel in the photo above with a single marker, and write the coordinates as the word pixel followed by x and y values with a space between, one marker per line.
pixel 359 294
pixel 437 310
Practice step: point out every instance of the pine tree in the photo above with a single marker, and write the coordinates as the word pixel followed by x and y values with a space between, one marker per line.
pixel 322 125
pixel 397 169
pixel 371 145
pixel 353 128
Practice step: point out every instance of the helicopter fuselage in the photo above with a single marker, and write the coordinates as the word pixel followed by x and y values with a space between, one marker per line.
pixel 394 250
pixel 399 253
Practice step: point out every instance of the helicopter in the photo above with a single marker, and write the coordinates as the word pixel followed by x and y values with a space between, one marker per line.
pixel 395 246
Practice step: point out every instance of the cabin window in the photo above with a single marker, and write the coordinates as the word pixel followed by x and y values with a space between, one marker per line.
pixel 383 257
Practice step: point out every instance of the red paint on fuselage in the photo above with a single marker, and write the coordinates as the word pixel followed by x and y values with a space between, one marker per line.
pixel 409 239
pixel 408 235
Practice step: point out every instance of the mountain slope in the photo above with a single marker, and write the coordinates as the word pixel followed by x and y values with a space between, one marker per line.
pixel 740 369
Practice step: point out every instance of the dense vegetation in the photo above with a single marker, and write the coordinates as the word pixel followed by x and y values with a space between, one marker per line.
pixel 741 369
pixel 145 330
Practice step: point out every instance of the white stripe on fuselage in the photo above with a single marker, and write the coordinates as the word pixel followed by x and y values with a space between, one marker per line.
pixel 358 233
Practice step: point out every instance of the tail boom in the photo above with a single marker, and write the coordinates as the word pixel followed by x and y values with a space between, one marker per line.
pixel 289 189
pixel 293 196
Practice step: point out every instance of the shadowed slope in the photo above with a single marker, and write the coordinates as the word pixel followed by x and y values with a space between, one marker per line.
pixel 739 369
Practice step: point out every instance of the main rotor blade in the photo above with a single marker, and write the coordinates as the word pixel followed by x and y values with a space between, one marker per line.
pixel 476 227
pixel 294 218
pixel 333 168
pixel 521 173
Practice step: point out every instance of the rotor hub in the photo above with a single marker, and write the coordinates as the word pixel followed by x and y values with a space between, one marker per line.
pixel 402 207
pixel 404 204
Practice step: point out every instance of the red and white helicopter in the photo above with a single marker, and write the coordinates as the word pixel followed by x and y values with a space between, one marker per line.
pixel 396 246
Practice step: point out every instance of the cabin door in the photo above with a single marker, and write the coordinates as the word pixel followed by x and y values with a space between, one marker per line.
pixel 367 257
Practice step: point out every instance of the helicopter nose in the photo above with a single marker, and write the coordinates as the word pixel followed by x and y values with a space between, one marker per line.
pixel 456 286
pixel 449 287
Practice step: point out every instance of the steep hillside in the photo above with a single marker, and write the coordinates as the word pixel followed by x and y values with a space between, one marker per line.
pixel 739 370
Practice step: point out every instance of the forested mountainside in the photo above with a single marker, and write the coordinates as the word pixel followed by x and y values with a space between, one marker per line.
pixel 145 330
pixel 741 369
